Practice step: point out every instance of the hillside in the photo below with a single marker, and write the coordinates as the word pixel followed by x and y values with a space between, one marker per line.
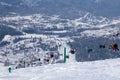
pixel 31 28
pixel 97 70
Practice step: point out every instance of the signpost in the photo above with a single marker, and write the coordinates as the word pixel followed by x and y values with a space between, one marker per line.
pixel 64 54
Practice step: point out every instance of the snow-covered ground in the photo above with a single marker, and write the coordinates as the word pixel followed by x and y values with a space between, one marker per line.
pixel 97 70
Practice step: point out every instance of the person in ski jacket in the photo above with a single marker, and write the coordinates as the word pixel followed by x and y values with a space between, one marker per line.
pixel 51 55
pixel 46 60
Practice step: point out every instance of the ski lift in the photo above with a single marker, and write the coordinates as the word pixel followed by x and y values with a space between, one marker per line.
pixel 72 51
pixel 90 50
pixel 102 46
pixel 114 46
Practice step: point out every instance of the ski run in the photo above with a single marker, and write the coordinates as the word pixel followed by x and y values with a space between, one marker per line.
pixel 96 70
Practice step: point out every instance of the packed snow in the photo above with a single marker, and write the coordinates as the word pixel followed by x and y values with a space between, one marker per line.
pixel 96 70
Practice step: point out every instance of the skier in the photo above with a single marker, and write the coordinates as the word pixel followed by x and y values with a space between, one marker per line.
pixel 51 55
pixel 52 58
pixel 46 60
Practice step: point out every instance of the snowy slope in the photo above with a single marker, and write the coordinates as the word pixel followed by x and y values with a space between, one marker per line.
pixel 98 70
